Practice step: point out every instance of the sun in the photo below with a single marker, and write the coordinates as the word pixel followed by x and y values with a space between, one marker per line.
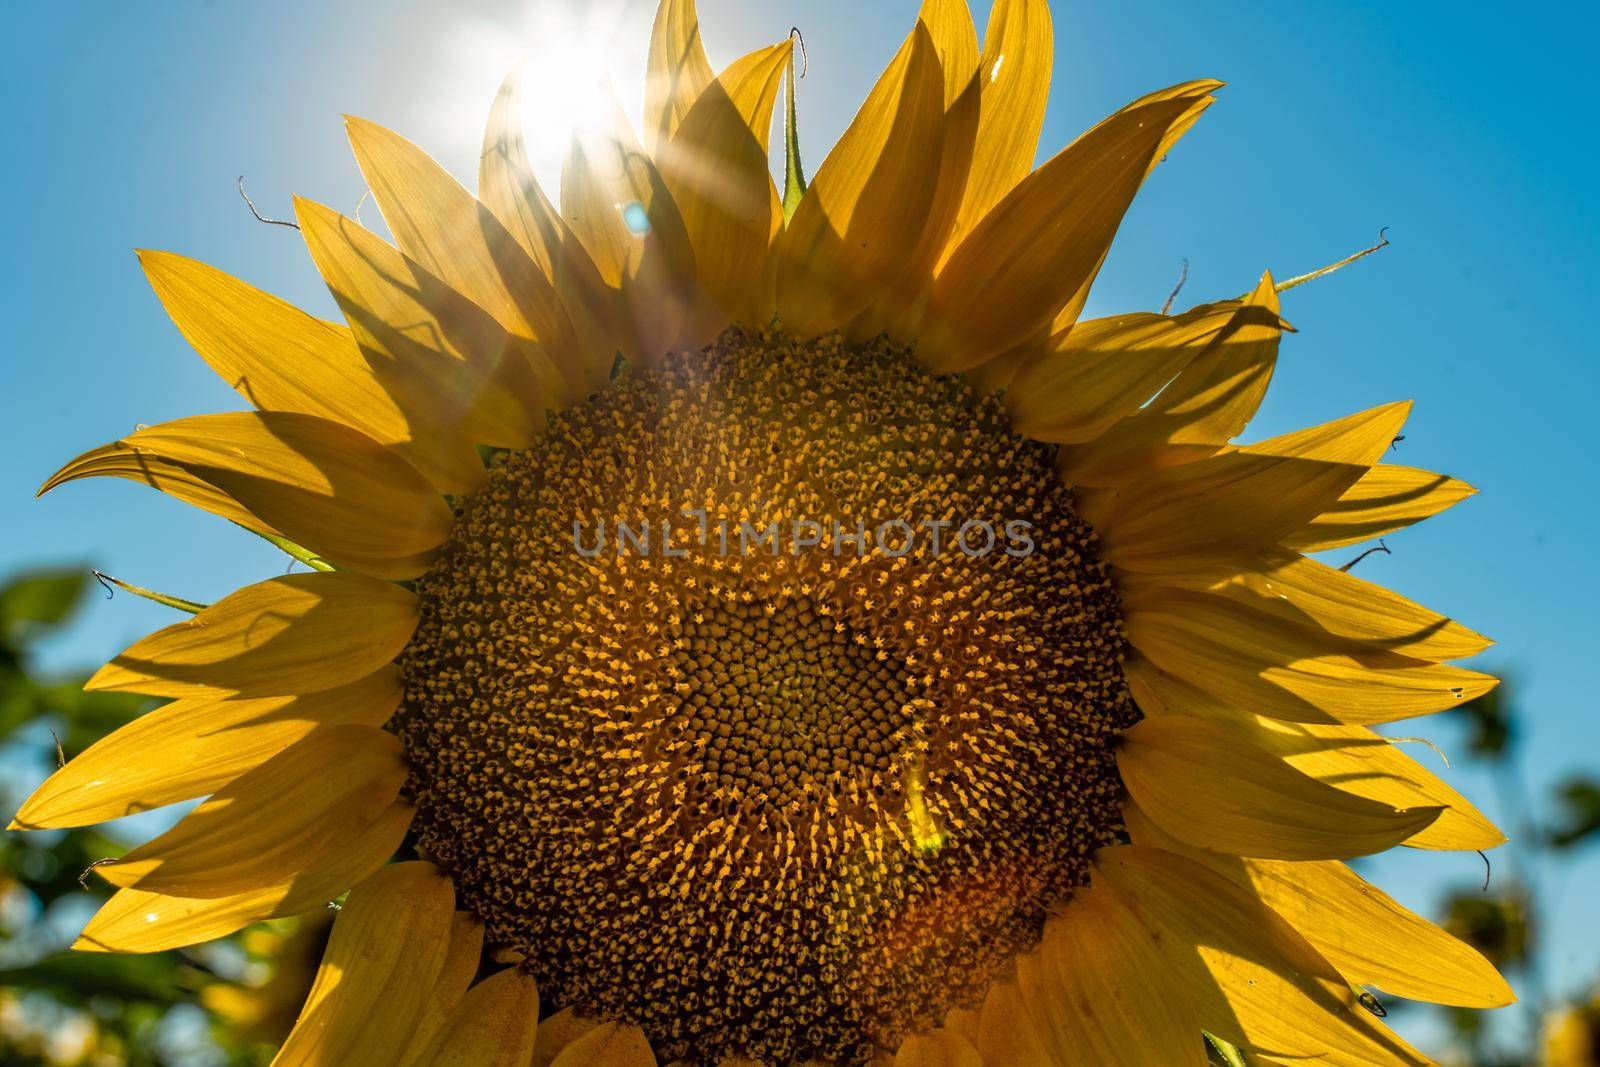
pixel 572 61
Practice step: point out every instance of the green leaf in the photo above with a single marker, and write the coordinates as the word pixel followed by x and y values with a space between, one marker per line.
pixel 77 977
pixel 39 601
pixel 1579 817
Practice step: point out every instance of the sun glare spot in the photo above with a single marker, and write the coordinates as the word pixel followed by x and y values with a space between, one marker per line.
pixel 636 218
pixel 572 60
pixel 564 85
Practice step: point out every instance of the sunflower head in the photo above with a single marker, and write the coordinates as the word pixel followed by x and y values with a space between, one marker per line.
pixel 782 628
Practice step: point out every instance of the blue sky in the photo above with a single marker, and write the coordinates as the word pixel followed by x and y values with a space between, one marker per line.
pixel 1465 129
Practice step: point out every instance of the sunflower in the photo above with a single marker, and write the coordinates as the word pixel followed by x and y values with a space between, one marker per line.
pixel 773 627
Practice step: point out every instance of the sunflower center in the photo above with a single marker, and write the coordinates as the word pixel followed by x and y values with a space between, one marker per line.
pixel 783 704
pixel 767 702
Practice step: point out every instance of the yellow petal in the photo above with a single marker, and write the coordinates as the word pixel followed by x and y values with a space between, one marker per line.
pixel 1104 994
pixel 1351 758
pixel 1300 590
pixel 121 460
pixel 618 206
pixel 460 967
pixel 716 167
pixel 955 41
pixel 1007 1034
pixel 1368 937
pixel 1254 981
pixel 607 1045
pixel 136 920
pixel 1239 500
pixel 281 359
pixel 1289 672
pixel 294 812
pixel 869 201
pixel 1074 307
pixel 1209 786
pixel 191 747
pixel 937 1048
pixel 1100 372
pixel 1012 273
pixel 1373 940
pixel 508 188
pixel 493 1026
pixel 900 307
pixel 322 485
pixel 1386 499
pixel 964 1021
pixel 676 73
pixel 446 354
pixel 1014 82
pixel 556 1033
pixel 387 947
pixel 298 633
pixel 1206 405
pixel 441 226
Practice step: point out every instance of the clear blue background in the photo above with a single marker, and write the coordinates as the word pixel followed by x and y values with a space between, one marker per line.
pixel 1466 129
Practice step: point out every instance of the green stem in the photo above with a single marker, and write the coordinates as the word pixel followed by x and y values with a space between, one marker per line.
pixel 166 600
pixel 1383 242
pixel 1230 1054
pixel 794 175
pixel 304 555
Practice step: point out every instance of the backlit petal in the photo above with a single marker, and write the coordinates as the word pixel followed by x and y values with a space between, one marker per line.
pixel 1015 269
pixel 135 920
pixel 1103 992
pixel 492 1026
pixel 618 206
pixel 1290 672
pixel 296 811
pixel 321 484
pixel 297 633
pixel 1387 498
pixel 1209 786
pixel 191 747
pixel 387 947
pixel 1204 407
pixel 937 1048
pixel 1359 929
pixel 1240 500
pixel 716 167
pixel 281 359
pixel 1352 758
pixel 1254 981
pixel 1007 1034
pixel 1014 84
pixel 869 201
pixel 1303 591
pixel 607 1045
pixel 447 352
pixel 460 967
pixel 441 226
pixel 122 460
pixel 955 41
pixel 676 72
pixel 507 186
pixel 1100 372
